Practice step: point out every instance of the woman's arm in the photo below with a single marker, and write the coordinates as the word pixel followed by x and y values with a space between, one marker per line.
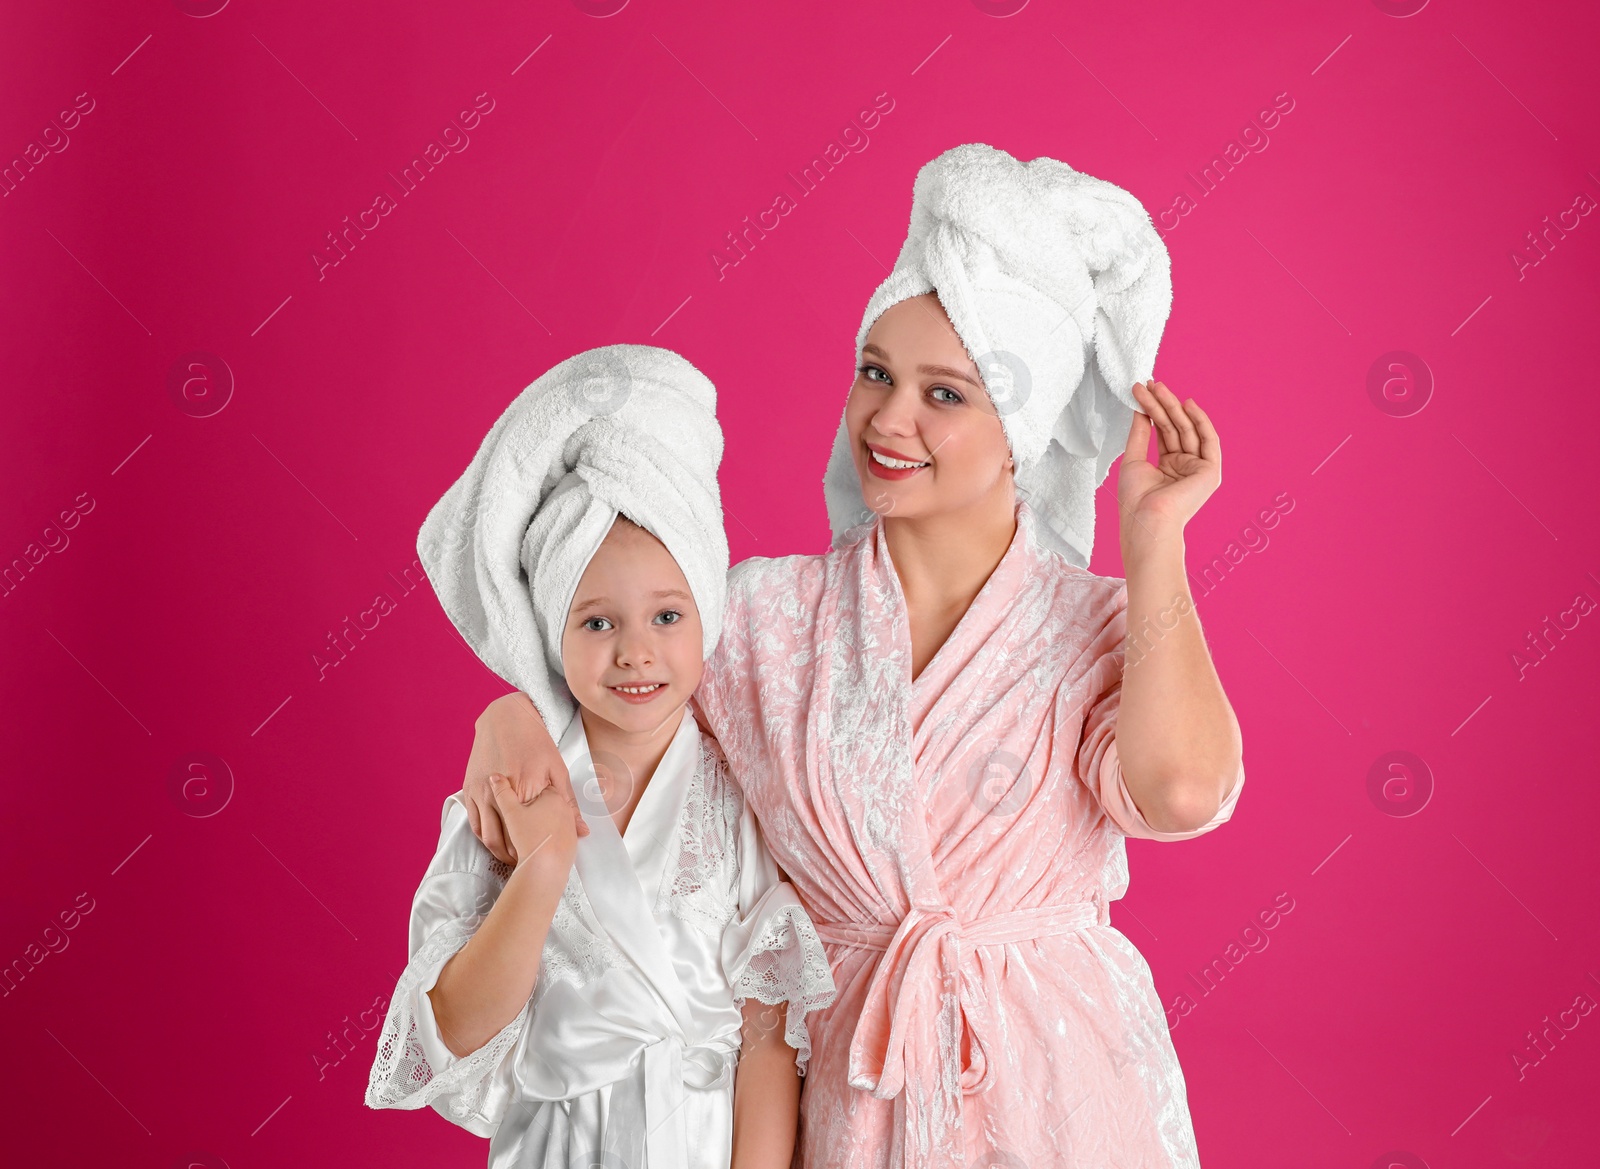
pixel 766 1091
pixel 1177 736
pixel 510 739
pixel 487 982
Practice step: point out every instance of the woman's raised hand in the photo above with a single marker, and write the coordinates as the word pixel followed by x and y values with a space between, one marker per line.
pixel 510 739
pixel 1157 498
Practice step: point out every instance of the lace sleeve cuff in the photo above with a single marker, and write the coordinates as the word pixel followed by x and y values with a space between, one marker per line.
pixel 414 1068
pixel 780 959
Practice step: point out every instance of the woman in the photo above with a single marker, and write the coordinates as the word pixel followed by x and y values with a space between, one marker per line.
pixel 940 724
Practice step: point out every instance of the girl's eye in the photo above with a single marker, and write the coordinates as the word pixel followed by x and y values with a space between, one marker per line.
pixel 868 370
pixel 597 624
pixel 950 397
pixel 669 617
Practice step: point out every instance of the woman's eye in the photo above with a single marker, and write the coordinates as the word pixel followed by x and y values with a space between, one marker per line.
pixel 669 617
pixel 597 624
pixel 946 394
pixel 868 372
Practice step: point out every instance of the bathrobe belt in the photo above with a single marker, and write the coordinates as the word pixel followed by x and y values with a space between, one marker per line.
pixel 920 974
pixel 616 1033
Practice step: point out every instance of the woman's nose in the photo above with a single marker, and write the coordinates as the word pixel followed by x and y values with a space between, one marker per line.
pixel 897 414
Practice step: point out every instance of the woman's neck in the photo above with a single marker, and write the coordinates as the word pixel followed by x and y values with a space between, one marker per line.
pixel 638 752
pixel 943 562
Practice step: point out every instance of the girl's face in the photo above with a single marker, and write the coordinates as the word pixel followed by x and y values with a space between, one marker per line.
pixel 631 648
pixel 923 431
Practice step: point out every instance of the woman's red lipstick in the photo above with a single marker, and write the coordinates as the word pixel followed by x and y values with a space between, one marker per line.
pixel 883 472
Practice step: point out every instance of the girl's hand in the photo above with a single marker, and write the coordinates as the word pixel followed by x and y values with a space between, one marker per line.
pixel 542 827
pixel 510 738
pixel 1158 499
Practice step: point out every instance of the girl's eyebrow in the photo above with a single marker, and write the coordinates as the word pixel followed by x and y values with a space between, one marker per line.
pixel 935 370
pixel 602 602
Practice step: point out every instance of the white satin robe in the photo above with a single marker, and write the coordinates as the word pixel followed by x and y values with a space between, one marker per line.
pixel 625 1053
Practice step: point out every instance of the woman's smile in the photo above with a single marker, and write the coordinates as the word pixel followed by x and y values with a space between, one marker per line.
pixel 887 464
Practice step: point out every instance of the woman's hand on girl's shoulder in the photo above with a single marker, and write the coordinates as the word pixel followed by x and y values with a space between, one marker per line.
pixel 510 739
pixel 541 831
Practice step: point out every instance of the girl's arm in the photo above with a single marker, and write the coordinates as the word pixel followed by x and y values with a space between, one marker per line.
pixel 1177 736
pixel 487 982
pixel 766 1091
pixel 511 739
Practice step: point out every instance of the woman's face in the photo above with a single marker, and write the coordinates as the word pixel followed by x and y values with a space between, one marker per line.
pixel 923 432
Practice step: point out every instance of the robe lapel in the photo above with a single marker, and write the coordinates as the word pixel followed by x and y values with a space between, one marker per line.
pixel 863 734
pixel 606 869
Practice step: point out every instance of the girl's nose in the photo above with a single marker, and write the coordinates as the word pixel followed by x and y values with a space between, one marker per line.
pixel 635 653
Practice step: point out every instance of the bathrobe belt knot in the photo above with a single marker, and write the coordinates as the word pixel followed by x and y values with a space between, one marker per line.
pixel 923 971
pixel 626 1040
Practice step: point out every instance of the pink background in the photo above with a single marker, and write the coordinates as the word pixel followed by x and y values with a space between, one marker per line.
pixel 190 1013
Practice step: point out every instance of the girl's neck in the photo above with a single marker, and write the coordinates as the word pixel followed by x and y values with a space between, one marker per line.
pixel 640 753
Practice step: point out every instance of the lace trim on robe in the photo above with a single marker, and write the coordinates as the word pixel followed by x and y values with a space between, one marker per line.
pixel 582 955
pixel 701 887
pixel 401 1076
pixel 789 965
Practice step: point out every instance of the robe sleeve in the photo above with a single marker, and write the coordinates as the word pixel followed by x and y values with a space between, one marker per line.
pixel 413 1067
pixel 1100 766
pixel 771 951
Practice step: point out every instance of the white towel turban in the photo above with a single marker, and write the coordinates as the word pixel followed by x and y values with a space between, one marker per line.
pixel 1059 287
pixel 624 429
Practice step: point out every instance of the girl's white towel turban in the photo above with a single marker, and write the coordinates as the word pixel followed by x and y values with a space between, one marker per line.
pixel 1059 287
pixel 624 429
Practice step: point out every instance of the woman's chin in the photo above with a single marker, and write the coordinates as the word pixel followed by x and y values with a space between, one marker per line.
pixel 888 496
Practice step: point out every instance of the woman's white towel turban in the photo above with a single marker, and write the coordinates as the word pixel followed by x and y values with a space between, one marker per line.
pixel 1059 287
pixel 624 429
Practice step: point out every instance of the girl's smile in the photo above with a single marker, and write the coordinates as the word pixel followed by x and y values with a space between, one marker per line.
pixel 638 693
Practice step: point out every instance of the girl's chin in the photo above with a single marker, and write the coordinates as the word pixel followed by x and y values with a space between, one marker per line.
pixel 638 717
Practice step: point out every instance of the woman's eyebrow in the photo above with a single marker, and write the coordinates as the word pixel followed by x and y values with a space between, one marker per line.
pixel 935 370
pixel 947 371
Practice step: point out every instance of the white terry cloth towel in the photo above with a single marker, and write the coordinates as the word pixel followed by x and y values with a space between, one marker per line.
pixel 1059 287
pixel 623 429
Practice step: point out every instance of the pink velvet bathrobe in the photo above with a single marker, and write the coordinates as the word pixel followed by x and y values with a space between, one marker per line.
pixel 957 840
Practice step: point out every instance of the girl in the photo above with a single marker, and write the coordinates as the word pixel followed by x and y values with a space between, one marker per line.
pixel 946 725
pixel 588 1005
